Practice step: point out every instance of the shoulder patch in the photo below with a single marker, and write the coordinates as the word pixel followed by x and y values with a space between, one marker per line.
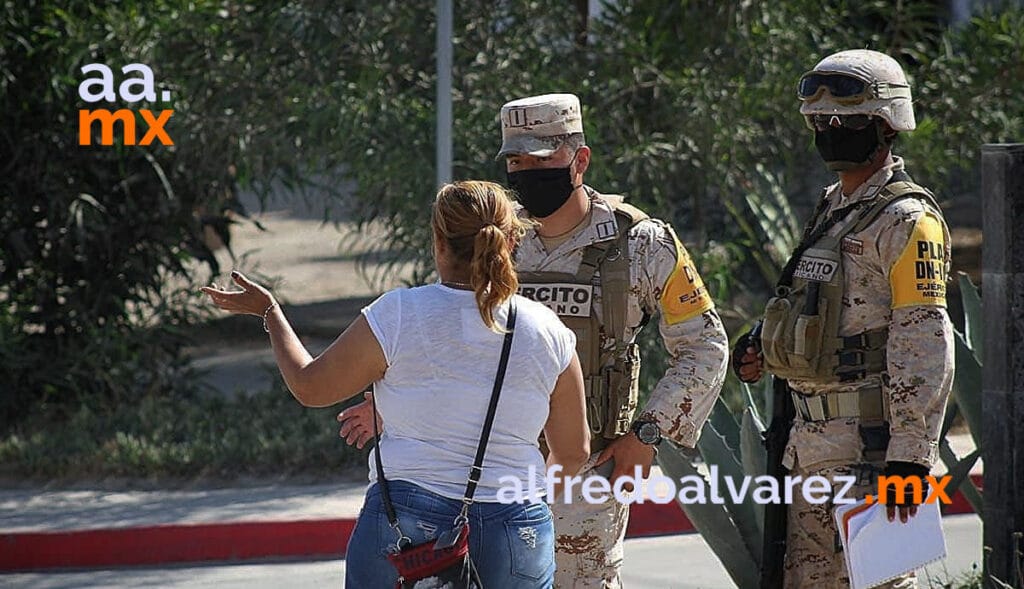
pixel 684 296
pixel 919 275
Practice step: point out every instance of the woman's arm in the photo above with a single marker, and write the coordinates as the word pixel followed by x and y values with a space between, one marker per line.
pixel 566 431
pixel 348 366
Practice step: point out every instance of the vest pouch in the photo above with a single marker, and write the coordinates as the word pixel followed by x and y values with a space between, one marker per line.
pixel 623 391
pixel 773 334
pixel 807 339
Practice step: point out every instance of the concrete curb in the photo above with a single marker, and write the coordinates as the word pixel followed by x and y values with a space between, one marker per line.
pixel 322 538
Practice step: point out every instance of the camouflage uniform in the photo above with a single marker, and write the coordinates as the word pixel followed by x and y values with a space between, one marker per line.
pixel 917 382
pixel 589 537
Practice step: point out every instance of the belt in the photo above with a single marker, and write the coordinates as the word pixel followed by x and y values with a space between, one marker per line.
pixel 866 404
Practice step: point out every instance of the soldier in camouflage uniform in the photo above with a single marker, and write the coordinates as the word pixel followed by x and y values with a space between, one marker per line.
pixel 861 333
pixel 606 269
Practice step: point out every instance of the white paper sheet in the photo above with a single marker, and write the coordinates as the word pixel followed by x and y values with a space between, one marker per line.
pixel 878 550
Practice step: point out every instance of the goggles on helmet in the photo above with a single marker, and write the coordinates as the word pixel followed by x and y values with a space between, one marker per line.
pixel 852 122
pixel 845 88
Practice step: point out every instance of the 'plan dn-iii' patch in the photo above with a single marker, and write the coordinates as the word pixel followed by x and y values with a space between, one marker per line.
pixel 815 269
pixel 565 299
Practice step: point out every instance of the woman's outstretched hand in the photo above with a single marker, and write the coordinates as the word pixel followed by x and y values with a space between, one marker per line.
pixel 253 299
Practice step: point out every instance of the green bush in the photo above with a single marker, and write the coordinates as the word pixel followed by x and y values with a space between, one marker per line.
pixel 166 436
pixel 92 237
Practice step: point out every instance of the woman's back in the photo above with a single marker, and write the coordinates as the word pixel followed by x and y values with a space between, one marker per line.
pixel 433 398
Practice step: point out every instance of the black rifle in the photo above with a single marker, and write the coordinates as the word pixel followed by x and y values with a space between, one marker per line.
pixel 773 553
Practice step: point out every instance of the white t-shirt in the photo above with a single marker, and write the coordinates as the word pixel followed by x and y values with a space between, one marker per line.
pixel 433 398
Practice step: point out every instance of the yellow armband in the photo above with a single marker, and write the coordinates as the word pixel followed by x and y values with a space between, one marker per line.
pixel 684 295
pixel 919 275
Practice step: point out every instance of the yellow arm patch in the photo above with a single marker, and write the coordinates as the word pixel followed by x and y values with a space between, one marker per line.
pixel 919 275
pixel 684 295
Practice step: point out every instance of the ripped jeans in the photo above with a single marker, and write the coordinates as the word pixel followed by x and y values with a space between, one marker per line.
pixel 513 545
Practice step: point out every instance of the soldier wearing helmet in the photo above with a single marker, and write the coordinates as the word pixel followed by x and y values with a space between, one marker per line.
pixel 858 327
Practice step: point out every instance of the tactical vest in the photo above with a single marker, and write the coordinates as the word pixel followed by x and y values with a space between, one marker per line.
pixel 800 335
pixel 610 375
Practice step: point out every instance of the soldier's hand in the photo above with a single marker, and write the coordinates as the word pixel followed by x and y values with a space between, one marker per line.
pixel 746 359
pixel 751 367
pixel 356 427
pixel 906 512
pixel 628 452
pixel 906 504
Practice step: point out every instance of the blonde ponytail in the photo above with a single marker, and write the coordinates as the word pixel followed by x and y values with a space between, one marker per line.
pixel 478 222
pixel 492 272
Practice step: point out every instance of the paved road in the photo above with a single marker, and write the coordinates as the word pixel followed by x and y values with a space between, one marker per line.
pixel 673 562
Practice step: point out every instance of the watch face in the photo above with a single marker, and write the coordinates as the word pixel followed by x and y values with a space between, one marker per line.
pixel 648 433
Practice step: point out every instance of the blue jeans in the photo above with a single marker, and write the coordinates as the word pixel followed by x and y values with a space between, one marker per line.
pixel 512 545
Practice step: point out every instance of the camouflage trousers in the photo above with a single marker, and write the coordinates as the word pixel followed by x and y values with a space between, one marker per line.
pixel 814 557
pixel 588 538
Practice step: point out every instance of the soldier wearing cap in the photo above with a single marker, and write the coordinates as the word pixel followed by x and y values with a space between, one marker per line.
pixel 858 326
pixel 606 269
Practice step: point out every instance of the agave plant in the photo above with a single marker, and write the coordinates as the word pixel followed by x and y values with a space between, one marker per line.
pixel 734 531
pixel 966 395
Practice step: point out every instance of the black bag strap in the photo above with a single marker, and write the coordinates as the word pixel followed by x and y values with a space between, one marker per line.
pixel 816 230
pixel 389 507
pixel 477 469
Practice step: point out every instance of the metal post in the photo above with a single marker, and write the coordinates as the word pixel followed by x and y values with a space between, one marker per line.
pixel 1002 186
pixel 444 92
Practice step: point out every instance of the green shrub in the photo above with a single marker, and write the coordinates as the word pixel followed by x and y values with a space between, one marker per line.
pixel 167 436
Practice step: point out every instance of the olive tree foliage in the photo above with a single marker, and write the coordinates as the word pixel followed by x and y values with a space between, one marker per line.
pixel 690 108
pixel 91 237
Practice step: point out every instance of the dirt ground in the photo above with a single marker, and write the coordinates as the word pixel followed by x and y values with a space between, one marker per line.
pixel 313 269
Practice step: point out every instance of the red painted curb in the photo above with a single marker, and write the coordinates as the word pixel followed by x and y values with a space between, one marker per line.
pixel 250 540
pixel 173 543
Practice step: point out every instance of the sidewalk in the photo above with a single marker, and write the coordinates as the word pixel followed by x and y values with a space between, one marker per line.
pixel 94 528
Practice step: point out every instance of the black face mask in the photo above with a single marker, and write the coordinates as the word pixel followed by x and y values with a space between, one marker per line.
pixel 845 149
pixel 542 191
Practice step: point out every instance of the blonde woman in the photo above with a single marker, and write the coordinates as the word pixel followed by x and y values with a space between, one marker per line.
pixel 431 353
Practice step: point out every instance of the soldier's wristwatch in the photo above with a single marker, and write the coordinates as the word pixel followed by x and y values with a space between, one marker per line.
pixel 647 432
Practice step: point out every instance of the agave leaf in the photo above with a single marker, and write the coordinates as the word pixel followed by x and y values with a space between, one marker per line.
pixel 716 451
pixel 753 455
pixel 967 387
pixel 713 522
pixel 725 424
pixel 973 328
pixel 947 421
pixel 962 468
pixel 762 392
pixel 965 485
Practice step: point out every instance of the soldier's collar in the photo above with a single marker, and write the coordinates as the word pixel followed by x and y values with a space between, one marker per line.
pixel 869 189
pixel 602 226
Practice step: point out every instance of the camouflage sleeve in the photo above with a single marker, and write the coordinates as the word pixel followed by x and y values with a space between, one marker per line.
pixel 691 331
pixel 913 249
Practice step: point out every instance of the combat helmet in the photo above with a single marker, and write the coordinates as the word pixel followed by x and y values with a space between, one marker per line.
pixel 858 81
